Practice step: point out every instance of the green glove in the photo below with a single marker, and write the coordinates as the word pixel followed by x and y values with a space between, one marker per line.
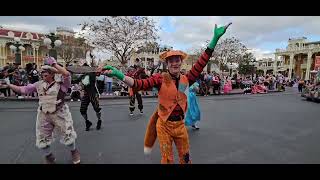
pixel 115 72
pixel 218 32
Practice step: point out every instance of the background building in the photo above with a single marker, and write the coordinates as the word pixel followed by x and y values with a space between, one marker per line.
pixel 72 48
pixel 34 50
pixel 298 57
pixel 267 65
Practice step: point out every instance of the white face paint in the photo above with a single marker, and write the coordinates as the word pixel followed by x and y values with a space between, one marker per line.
pixel 47 77
pixel 174 64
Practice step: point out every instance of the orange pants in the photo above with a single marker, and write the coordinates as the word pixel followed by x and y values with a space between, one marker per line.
pixel 173 131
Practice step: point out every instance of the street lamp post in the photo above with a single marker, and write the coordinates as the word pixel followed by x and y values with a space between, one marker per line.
pixel 253 63
pixel 17 47
pixel 52 41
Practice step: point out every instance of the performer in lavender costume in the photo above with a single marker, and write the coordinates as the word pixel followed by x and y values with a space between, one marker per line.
pixel 53 114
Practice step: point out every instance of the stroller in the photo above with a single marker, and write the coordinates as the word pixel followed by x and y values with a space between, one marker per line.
pixel 247 87
pixel 280 87
pixel 124 90
pixel 216 87
pixel 75 93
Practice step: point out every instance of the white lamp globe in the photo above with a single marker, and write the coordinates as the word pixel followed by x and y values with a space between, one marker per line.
pixel 22 48
pixel 47 41
pixel 12 47
pixel 57 43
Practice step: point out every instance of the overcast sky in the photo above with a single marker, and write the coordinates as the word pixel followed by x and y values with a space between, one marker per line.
pixel 263 34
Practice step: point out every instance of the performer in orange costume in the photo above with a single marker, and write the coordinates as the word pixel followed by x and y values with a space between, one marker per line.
pixel 167 123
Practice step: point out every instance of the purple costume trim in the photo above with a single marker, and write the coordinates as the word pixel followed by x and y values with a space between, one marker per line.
pixel 30 88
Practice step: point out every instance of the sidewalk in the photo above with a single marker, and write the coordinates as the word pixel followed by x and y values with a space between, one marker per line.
pixel 14 98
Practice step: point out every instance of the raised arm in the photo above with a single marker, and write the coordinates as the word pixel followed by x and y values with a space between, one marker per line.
pixel 138 84
pixel 203 60
pixel 61 70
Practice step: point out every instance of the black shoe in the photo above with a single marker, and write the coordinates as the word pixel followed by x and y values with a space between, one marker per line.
pixel 195 127
pixel 131 113
pixel 50 159
pixel 141 112
pixel 99 125
pixel 88 125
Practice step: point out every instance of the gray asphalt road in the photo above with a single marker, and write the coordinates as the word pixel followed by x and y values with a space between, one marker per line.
pixel 271 128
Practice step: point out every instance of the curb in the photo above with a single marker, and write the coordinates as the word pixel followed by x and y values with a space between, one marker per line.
pixel 119 97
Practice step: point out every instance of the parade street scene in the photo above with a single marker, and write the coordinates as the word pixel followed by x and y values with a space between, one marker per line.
pixel 159 90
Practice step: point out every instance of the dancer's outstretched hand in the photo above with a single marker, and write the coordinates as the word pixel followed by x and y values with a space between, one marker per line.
pixel 113 72
pixel 217 33
pixel 50 61
pixel 3 86
pixel 4 83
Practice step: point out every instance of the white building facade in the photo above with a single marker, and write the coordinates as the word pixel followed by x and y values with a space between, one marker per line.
pixel 298 57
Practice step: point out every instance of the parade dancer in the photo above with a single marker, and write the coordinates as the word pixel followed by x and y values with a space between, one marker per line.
pixel 135 71
pixel 53 114
pixel 193 113
pixel 167 123
pixel 90 95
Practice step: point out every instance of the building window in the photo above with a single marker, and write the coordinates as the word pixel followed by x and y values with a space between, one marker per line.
pixel 304 61
pixel 30 52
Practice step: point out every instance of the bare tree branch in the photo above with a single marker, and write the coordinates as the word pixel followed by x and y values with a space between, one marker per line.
pixel 72 49
pixel 229 50
pixel 120 34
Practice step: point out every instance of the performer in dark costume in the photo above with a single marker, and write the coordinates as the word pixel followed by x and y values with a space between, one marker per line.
pixel 137 72
pixel 90 94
